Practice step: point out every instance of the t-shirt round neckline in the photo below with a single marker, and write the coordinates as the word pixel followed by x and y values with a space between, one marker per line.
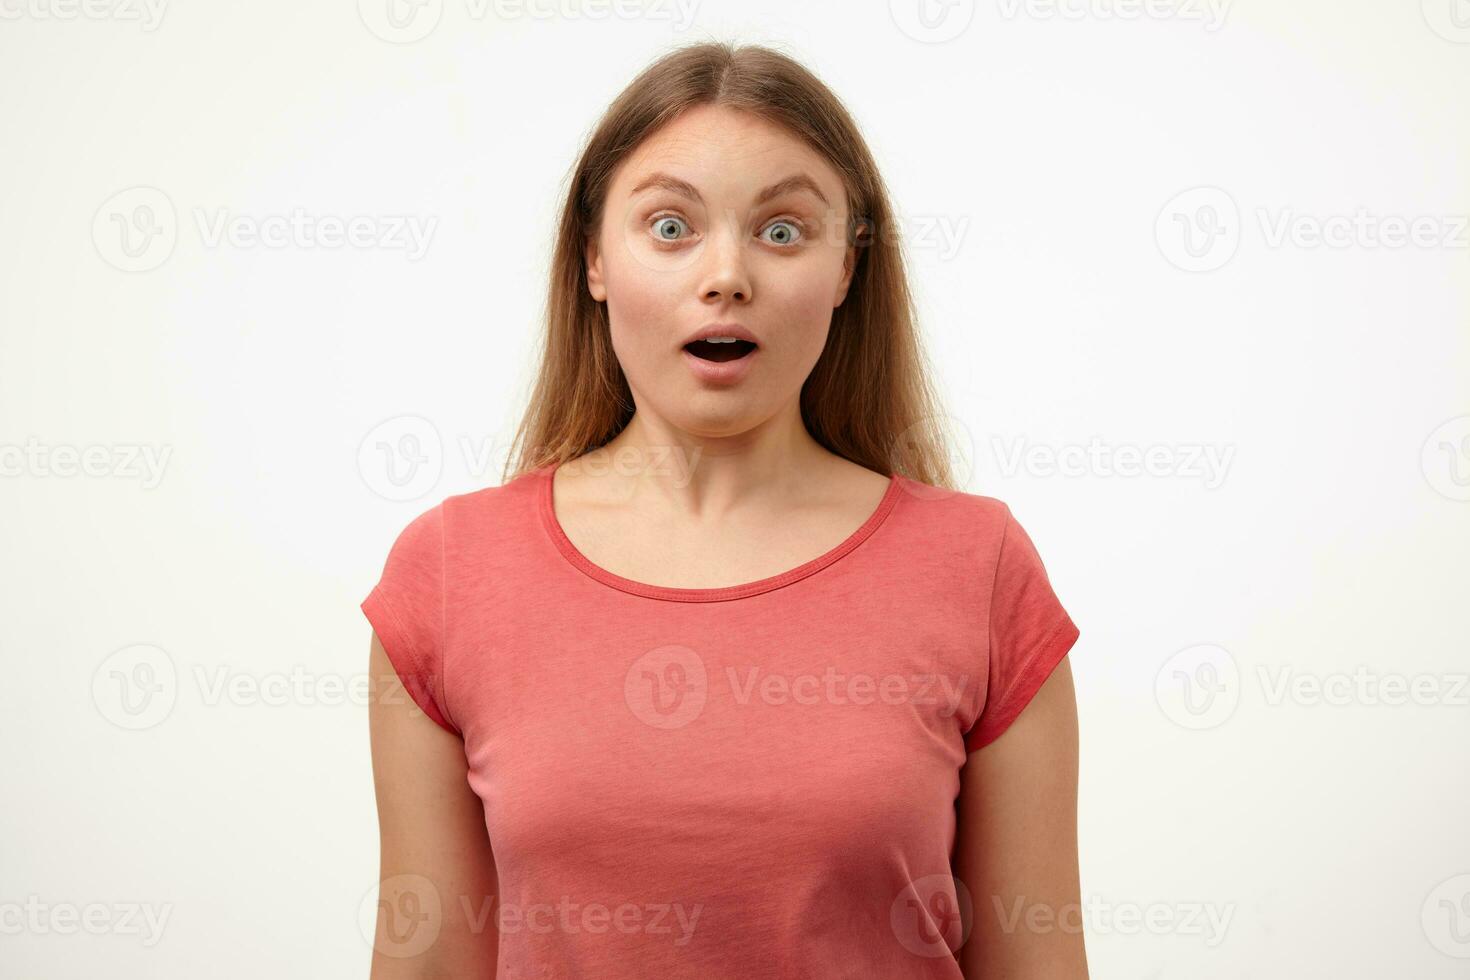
pixel 569 551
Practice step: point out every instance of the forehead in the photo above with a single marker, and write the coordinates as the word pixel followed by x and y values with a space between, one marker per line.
pixel 726 153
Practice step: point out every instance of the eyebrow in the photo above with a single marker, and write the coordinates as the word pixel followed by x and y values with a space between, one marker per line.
pixel 795 182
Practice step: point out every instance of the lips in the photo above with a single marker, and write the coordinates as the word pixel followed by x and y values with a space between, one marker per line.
pixel 720 349
pixel 721 342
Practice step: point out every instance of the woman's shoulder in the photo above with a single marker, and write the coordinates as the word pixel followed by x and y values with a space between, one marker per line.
pixel 505 507
pixel 958 520
pixel 951 508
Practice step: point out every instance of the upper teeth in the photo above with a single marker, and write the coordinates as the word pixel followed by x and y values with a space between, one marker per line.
pixel 721 340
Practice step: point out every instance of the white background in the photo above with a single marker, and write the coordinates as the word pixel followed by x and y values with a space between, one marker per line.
pixel 1058 170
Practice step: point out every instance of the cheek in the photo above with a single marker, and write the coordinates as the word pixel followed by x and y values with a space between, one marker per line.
pixel 640 302
pixel 801 304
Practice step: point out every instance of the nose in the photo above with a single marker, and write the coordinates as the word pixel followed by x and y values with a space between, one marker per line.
pixel 725 272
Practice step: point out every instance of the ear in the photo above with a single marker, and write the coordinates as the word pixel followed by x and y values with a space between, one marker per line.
pixel 595 284
pixel 849 263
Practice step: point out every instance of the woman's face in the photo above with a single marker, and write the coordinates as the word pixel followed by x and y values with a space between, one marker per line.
pixel 720 222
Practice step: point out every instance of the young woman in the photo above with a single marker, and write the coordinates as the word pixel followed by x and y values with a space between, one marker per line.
pixel 726 679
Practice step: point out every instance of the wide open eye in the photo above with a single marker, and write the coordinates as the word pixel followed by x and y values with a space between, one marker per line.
pixel 786 232
pixel 667 225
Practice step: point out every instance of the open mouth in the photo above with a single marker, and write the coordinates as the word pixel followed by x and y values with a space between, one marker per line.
pixel 731 349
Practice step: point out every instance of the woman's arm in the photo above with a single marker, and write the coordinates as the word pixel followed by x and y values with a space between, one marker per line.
pixel 1016 844
pixel 437 902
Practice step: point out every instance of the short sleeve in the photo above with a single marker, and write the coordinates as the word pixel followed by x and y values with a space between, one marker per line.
pixel 406 610
pixel 1029 634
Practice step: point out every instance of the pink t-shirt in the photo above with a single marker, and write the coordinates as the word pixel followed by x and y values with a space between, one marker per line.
pixel 752 781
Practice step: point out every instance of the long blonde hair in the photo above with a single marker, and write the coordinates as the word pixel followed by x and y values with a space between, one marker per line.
pixel 868 398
